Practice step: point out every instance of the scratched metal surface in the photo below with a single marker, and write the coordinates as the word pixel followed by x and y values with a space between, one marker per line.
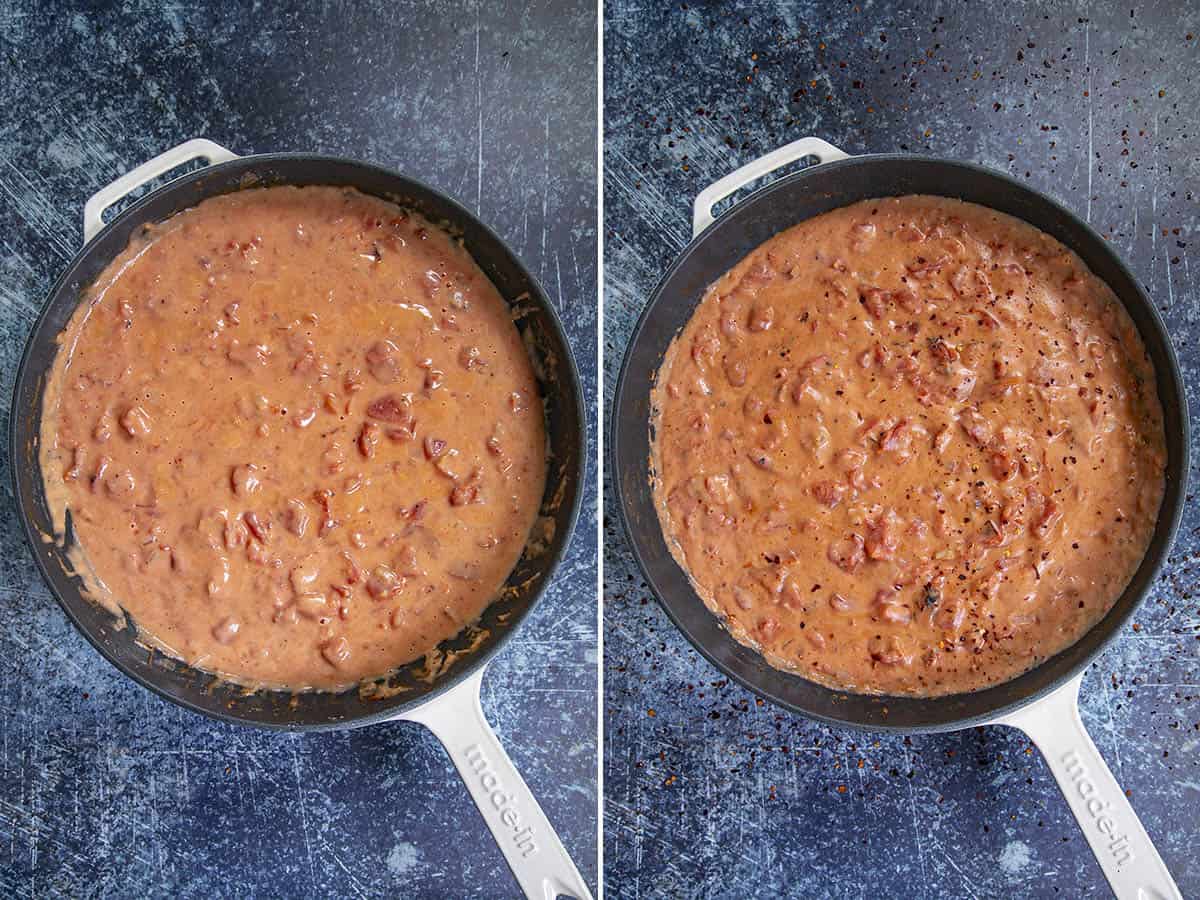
pixel 708 792
pixel 105 790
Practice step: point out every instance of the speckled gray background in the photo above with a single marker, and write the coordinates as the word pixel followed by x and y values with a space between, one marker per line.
pixel 709 792
pixel 106 790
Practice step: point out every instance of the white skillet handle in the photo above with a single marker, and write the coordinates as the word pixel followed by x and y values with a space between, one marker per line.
pixel 198 148
pixel 533 851
pixel 1132 866
pixel 702 210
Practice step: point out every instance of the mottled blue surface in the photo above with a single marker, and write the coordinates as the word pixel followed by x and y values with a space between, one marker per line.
pixel 710 792
pixel 106 790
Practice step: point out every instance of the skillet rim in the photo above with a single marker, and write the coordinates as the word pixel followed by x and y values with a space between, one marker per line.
pixel 1112 629
pixel 391 708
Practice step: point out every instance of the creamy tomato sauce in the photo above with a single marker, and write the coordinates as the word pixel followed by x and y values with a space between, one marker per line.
pixel 911 446
pixel 298 435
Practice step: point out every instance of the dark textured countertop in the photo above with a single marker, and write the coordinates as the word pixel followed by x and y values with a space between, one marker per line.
pixel 711 793
pixel 106 790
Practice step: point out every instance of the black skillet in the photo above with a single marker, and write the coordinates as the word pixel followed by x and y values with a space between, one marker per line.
pixel 448 704
pixel 1042 702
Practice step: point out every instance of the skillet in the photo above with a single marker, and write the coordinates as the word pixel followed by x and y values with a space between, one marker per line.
pixel 1043 702
pixel 443 697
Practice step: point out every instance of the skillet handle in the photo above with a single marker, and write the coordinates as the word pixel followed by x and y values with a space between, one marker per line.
pixel 526 838
pixel 702 209
pixel 197 148
pixel 1128 858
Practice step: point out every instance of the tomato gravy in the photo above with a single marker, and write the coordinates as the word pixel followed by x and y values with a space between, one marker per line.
pixel 298 435
pixel 912 447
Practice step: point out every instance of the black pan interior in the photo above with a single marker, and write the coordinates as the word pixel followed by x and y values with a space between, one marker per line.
pixel 765 213
pixel 565 427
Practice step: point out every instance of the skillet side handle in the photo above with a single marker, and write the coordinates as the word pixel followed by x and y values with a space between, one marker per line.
pixel 197 148
pixel 1124 850
pixel 702 210
pixel 533 851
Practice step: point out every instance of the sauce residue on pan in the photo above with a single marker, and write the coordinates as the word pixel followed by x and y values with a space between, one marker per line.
pixel 912 447
pixel 299 437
